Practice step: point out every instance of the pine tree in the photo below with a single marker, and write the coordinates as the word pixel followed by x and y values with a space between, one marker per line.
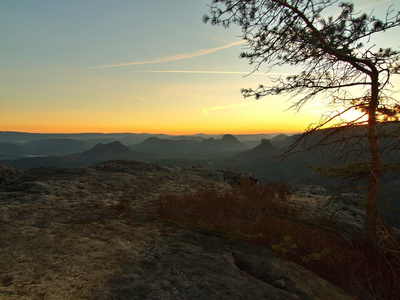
pixel 335 55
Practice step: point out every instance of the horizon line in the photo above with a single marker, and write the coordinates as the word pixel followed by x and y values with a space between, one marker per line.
pixel 144 132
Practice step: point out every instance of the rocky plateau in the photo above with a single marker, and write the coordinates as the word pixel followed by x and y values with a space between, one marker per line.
pixel 93 233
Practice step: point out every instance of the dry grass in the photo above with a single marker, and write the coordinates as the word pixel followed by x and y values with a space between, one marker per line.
pixel 242 209
pixel 261 215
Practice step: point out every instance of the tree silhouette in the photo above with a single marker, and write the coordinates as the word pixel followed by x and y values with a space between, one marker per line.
pixel 339 64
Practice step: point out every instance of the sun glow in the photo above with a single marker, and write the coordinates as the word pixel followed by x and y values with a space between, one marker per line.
pixel 354 116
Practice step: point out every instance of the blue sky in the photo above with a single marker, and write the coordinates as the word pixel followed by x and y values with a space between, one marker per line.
pixel 132 66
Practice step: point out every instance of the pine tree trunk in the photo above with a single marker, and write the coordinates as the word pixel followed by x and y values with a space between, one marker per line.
pixel 372 208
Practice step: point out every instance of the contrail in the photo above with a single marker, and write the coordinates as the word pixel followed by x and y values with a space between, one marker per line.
pixel 218 72
pixel 170 58
pixel 201 72
pixel 206 110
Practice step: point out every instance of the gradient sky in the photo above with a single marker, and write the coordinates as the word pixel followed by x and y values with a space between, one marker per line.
pixel 152 66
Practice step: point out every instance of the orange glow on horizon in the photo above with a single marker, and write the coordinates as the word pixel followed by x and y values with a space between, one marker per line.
pixel 182 132
pixel 167 131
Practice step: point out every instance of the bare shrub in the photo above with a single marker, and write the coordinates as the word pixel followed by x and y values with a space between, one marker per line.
pixel 262 215
pixel 243 208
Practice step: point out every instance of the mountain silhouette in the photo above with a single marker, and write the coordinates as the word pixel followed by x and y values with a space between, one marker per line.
pixel 264 152
pixel 99 153
pixel 282 140
pixel 227 143
pixel 114 150
pixel 169 147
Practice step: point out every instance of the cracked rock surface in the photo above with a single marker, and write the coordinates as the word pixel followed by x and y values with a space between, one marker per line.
pixel 92 233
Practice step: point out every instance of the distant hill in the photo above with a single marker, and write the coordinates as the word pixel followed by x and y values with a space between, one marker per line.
pixel 265 148
pixel 90 138
pixel 252 140
pixel 281 141
pixel 166 146
pixel 55 146
pixel 228 143
pixel 101 152
pixel 125 138
pixel 261 161
pixel 190 147
pixel 265 151
pixel 12 151
pixel 264 162
pixel 110 151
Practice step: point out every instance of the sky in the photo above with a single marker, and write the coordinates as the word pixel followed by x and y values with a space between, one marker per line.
pixel 70 66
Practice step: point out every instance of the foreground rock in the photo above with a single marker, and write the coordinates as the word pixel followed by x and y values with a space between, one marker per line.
pixel 92 233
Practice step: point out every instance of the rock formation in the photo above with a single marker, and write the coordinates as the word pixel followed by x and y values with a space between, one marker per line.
pixel 92 233
pixel 343 214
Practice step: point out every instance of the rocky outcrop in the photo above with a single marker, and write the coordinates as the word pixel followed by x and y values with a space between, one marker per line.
pixel 92 233
pixel 342 214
